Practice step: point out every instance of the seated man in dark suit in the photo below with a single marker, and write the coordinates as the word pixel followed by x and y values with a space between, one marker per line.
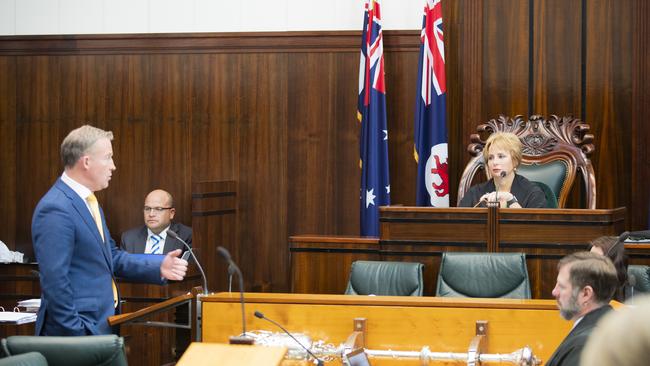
pixel 152 238
pixel 586 283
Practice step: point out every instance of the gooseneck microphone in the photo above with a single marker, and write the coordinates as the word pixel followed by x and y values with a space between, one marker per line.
pixel 498 186
pixel 189 249
pixel 261 316
pixel 225 254
pixel 231 272
pixel 496 192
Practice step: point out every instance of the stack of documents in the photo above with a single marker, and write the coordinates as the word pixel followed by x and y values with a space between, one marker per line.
pixel 31 305
pixel 15 317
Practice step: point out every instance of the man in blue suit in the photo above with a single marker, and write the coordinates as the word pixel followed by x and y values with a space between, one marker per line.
pixel 77 257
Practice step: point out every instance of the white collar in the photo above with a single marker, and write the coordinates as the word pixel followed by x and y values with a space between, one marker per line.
pixel 81 190
pixel 162 234
pixel 577 321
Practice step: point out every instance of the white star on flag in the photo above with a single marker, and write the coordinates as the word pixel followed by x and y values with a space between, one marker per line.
pixel 387 189
pixel 370 198
pixel 385 134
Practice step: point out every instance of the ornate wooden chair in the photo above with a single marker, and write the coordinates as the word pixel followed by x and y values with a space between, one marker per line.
pixel 554 150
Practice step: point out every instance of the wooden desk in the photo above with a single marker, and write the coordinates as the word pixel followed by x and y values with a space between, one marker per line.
pixel 153 345
pixel 398 323
pixel 205 354
pixel 18 282
pixel 320 264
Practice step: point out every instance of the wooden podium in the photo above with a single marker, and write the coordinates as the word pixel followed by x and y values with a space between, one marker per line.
pixel 154 345
pixel 320 264
pixel 395 323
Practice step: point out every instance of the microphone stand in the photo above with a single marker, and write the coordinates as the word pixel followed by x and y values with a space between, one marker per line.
pixel 260 315
pixel 189 249
pixel 498 186
pixel 231 272
pixel 243 339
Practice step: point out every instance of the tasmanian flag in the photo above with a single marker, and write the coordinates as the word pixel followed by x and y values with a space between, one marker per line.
pixel 375 187
pixel 431 113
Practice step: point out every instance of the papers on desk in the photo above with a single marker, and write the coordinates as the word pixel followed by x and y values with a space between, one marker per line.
pixel 15 317
pixel 21 317
pixel 31 305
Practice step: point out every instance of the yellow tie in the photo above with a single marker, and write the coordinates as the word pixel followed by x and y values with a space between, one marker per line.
pixel 94 209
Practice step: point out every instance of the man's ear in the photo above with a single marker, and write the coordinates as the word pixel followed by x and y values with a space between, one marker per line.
pixel 587 293
pixel 85 161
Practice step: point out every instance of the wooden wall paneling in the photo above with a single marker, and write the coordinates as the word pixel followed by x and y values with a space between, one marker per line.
pixel 8 179
pixel 346 136
pixel 557 67
pixel 505 84
pixel 401 82
pixel 216 115
pixel 640 152
pixel 457 66
pixel 158 137
pixel 464 90
pixel 39 131
pixel 312 158
pixel 609 100
pixel 321 264
pixel 214 224
pixel 263 172
pixel 556 58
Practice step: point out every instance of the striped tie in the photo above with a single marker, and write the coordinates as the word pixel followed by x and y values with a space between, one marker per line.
pixel 156 248
pixel 94 210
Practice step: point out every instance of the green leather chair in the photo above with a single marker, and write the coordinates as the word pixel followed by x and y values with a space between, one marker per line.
pixel 26 359
pixel 105 350
pixel 638 280
pixel 554 150
pixel 487 275
pixel 551 198
pixel 385 278
pixel 549 177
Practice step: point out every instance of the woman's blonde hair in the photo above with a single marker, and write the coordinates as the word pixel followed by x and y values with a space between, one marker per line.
pixel 505 141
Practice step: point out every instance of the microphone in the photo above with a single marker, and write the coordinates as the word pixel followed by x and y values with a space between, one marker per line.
pixel 189 249
pixel 261 316
pixel 496 195
pixel 225 254
pixel 231 272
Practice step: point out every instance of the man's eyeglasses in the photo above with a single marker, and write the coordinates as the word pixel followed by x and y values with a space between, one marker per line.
pixel 156 210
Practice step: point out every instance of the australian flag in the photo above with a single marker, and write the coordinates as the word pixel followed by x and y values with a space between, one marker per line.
pixel 375 186
pixel 431 113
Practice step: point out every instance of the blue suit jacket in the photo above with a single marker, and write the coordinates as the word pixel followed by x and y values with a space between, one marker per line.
pixel 76 266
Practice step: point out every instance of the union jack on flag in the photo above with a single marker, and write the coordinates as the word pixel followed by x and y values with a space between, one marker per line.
pixel 375 186
pixel 431 113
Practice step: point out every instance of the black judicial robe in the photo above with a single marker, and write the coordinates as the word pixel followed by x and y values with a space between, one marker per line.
pixel 569 351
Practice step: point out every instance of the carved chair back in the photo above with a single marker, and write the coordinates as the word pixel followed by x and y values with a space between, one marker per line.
pixel 553 150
